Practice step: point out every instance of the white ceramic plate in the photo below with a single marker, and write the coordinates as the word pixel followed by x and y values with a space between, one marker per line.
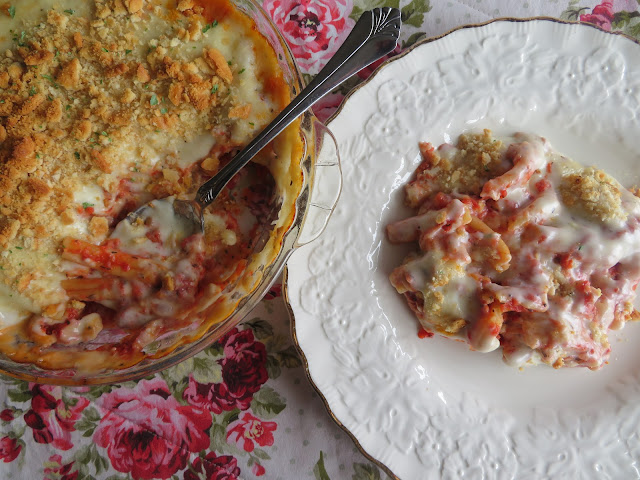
pixel 431 408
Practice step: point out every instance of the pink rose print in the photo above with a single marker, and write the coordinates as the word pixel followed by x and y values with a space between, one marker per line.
pixel 212 467
pixel 243 373
pixel 314 29
pixel 249 429
pixel 50 418
pixel 147 433
pixel 244 366
pixel 274 292
pixel 206 395
pixel 603 15
pixel 55 470
pixel 327 106
pixel 6 415
pixel 257 469
pixel 9 449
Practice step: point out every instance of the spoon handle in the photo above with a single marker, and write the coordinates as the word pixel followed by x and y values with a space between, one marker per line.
pixel 373 36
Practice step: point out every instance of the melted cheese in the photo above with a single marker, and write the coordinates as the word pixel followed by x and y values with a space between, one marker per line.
pixel 194 150
pixel 573 234
pixel 33 12
pixel 90 196
pixel 158 218
pixel 14 308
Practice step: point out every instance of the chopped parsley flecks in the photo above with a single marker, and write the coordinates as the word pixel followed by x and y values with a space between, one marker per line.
pixel 209 26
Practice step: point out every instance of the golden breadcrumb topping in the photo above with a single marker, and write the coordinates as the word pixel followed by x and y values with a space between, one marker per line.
pixel 594 194
pixel 477 158
pixel 103 100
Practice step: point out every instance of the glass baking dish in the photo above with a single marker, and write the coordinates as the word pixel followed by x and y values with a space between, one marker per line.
pixel 320 170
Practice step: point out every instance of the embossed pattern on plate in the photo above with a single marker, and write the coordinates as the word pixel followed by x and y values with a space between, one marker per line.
pixel 431 408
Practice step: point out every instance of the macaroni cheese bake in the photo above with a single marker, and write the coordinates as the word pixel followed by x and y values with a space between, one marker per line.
pixel 104 106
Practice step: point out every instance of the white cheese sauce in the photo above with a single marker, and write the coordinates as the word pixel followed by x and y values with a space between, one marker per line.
pixel 30 12
pixel 157 233
pixel 194 150
pixel 594 246
pixel 572 274
pixel 14 308
pixel 90 196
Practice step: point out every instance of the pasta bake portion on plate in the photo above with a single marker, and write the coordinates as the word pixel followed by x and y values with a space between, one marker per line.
pixel 520 247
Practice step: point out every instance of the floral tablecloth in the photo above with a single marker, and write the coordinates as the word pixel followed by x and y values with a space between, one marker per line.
pixel 244 407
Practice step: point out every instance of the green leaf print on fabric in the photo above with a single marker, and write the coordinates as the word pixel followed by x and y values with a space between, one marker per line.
pixel 273 367
pixel 203 367
pixel 216 350
pixel 319 470
pixel 289 357
pixel 19 396
pixel 573 11
pixel 229 417
pixel 261 454
pixel 360 6
pixel 96 392
pixel 17 431
pixel 89 421
pixel 622 19
pixel 218 435
pixel 363 471
pixel 19 392
pixel 634 31
pixel 413 39
pixel 261 328
pixel 206 370
pixel 267 403
pixel 413 13
pixel 91 414
pixel 88 456
pixel 627 22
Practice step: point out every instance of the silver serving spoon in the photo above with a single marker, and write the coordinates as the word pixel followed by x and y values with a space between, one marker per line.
pixel 373 36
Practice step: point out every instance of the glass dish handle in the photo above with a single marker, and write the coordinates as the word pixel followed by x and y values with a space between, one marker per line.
pixel 326 185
